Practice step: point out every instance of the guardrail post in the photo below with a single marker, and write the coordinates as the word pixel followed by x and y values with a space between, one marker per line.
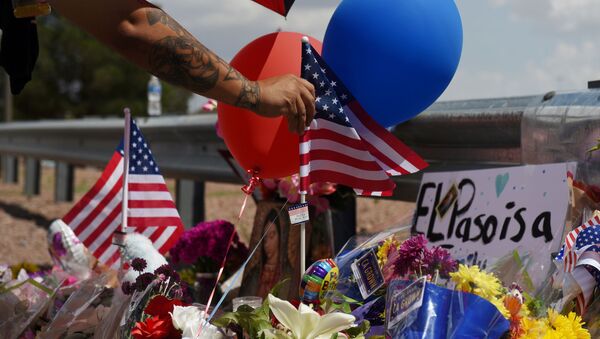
pixel 190 201
pixel 63 189
pixel 344 223
pixel 10 169
pixel 32 177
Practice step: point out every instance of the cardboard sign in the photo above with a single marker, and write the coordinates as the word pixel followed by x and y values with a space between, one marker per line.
pixel 484 215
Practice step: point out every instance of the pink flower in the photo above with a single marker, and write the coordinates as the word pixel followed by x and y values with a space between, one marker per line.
pixel 288 188
pixel 322 188
pixel 270 184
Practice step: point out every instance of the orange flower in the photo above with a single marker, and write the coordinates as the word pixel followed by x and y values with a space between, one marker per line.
pixel 513 305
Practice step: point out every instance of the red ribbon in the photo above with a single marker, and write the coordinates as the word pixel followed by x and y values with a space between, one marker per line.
pixel 252 183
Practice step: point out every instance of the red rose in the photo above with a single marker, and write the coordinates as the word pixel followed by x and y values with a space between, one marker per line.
pixel 158 309
pixel 161 306
pixel 152 328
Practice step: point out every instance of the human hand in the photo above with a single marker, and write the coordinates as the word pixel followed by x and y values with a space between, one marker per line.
pixel 288 96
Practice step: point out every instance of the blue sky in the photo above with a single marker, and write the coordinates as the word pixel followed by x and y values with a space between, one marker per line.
pixel 511 47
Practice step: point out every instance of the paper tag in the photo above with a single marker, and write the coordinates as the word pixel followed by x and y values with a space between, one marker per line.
pixel 367 274
pixel 401 302
pixel 298 213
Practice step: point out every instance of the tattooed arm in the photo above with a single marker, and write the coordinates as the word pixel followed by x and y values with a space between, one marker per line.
pixel 150 38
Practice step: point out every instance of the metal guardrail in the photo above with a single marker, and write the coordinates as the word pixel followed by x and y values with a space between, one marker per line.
pixel 187 146
pixel 451 135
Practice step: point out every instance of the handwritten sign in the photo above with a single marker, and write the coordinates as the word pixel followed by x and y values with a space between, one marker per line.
pixel 483 215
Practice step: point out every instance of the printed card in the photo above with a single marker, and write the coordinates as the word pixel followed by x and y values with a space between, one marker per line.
pixel 367 274
pixel 298 213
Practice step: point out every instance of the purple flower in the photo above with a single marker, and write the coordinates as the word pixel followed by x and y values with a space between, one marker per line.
pixel 167 272
pixel 139 264
pixel 438 259
pixel 127 287
pixel 57 245
pixel 410 255
pixel 143 281
pixel 206 243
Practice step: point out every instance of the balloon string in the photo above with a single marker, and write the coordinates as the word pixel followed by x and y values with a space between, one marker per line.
pixel 237 274
pixel 248 190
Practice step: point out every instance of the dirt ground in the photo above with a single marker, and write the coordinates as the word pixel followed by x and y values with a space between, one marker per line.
pixel 24 220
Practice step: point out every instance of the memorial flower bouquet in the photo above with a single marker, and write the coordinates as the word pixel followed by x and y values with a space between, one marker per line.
pixel 200 251
pixel 158 308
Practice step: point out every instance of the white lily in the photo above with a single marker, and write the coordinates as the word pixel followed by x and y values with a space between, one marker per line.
pixel 304 323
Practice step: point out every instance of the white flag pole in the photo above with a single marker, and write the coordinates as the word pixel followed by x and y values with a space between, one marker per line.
pixel 125 189
pixel 302 240
pixel 305 40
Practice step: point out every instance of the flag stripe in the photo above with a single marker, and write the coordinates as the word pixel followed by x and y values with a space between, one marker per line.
pixel 106 188
pixel 133 187
pixel 329 165
pixel 381 139
pixel 146 179
pixel 334 145
pixel 100 222
pixel 151 204
pixel 152 212
pixel 100 210
pixel 335 156
pixel 149 196
pixel 348 180
pixel 143 222
pixel 114 163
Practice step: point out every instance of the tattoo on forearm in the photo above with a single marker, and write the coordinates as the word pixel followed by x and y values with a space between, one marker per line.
pixel 184 61
pixel 249 95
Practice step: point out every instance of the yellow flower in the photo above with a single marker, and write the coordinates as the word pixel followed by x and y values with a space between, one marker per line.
pixel 471 279
pixel 534 328
pixel 27 266
pixel 384 250
pixel 555 326
pixel 570 326
pixel 465 277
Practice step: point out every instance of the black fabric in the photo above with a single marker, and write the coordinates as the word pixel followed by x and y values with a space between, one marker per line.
pixel 288 4
pixel 19 48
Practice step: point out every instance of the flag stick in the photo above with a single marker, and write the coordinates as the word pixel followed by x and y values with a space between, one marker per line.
pixel 125 189
pixel 303 191
pixel 302 240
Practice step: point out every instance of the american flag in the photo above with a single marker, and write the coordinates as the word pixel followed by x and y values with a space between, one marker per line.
pixel 580 258
pixel 151 210
pixel 567 257
pixel 343 143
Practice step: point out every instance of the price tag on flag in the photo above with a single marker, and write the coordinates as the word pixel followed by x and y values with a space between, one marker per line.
pixel 298 213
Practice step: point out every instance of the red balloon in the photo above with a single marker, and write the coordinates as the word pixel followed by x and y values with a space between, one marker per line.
pixel 264 144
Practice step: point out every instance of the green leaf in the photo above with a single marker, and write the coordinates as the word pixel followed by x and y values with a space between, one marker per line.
pixel 359 331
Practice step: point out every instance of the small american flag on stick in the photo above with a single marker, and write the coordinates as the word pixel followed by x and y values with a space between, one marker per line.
pixel 151 210
pixel 343 143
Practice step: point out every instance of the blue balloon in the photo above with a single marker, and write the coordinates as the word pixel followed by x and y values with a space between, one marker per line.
pixel 395 56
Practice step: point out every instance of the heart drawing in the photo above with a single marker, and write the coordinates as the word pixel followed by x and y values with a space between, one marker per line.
pixel 501 181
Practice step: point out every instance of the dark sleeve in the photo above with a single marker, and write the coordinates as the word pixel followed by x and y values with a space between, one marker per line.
pixel 19 47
